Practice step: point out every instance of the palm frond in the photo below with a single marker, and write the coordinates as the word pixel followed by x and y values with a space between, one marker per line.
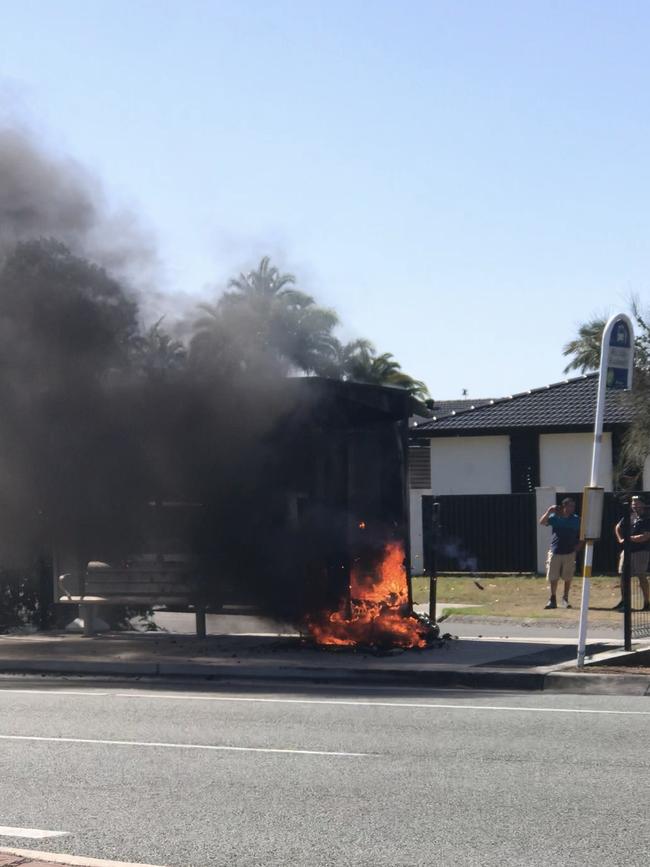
pixel 585 348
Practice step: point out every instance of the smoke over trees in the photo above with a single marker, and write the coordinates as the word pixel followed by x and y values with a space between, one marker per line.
pixel 47 196
pixel 102 412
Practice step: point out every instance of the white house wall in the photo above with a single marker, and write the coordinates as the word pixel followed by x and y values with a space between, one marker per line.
pixel 470 465
pixel 565 460
pixel 417 541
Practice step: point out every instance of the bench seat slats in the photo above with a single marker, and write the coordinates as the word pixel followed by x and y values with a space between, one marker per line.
pixel 144 573
pixel 154 580
pixel 135 600
pixel 142 585
pixel 145 580
pixel 138 587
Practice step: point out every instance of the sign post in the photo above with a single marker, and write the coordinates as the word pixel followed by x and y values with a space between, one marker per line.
pixel 616 360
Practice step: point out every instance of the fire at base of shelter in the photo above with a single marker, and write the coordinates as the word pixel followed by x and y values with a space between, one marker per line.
pixel 376 610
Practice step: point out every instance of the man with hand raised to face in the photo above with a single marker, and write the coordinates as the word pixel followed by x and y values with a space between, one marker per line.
pixel 565 542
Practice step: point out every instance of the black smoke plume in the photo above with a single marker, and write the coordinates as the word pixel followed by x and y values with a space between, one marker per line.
pixel 43 195
pixel 105 421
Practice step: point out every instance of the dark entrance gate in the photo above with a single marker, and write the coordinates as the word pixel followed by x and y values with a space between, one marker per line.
pixel 483 532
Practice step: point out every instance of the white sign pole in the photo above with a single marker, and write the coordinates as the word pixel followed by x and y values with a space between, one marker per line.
pixel 616 361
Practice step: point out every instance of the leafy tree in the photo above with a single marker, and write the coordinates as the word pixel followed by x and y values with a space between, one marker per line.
pixel 68 454
pixel 641 343
pixel 61 311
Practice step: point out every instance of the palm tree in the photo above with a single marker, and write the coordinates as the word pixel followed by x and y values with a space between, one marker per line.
pixel 353 353
pixel 222 343
pixel 362 364
pixel 263 286
pixel 585 349
pixel 304 335
pixel 157 353
pixel 263 325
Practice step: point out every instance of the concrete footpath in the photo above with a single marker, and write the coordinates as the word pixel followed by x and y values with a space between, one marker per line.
pixel 247 649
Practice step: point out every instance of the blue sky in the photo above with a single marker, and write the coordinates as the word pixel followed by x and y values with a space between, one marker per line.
pixel 463 181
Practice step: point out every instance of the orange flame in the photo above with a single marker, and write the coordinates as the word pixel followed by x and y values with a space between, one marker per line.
pixel 378 610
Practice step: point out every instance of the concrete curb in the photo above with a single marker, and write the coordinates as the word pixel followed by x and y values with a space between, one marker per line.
pixel 459 676
pixel 597 684
pixel 528 680
pixel 64 666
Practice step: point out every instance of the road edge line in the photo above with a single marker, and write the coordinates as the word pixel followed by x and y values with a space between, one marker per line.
pixel 70 860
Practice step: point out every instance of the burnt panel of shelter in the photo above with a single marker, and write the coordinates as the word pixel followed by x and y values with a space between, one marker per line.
pixel 344 477
pixel 335 468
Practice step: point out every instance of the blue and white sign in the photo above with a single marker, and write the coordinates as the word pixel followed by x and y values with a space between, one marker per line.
pixel 619 356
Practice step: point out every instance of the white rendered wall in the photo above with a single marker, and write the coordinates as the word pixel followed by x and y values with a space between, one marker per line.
pixel 417 549
pixel 565 461
pixel 470 465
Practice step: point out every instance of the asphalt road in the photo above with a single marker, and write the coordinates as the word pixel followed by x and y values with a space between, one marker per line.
pixel 352 777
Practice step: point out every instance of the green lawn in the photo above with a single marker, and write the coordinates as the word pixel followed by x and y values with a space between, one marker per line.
pixel 520 597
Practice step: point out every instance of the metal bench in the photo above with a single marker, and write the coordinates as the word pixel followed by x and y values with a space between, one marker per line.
pixel 148 582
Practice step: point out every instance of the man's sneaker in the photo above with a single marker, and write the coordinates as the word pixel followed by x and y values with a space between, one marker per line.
pixel 566 603
pixel 619 607
pixel 550 604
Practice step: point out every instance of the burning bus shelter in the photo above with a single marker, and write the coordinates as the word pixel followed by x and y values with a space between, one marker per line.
pixel 307 520
pixel 344 456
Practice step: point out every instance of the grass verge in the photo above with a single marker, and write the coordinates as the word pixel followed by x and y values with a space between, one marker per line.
pixel 519 596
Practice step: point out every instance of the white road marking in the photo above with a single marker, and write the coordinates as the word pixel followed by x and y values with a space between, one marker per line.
pixel 31 833
pixel 342 702
pixel 398 704
pixel 84 694
pixel 212 747
pixel 79 861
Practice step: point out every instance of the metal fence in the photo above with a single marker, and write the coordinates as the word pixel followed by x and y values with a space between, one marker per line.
pixel 486 532
pixel 497 533
pixel 639 619
pixel 635 591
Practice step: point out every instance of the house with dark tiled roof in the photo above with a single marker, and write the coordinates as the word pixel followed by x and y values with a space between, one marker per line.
pixel 538 439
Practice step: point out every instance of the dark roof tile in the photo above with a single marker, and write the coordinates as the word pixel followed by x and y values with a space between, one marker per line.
pixel 567 404
pixel 442 408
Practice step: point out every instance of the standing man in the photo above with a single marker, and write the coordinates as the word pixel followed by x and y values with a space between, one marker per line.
pixel 565 542
pixel 639 549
